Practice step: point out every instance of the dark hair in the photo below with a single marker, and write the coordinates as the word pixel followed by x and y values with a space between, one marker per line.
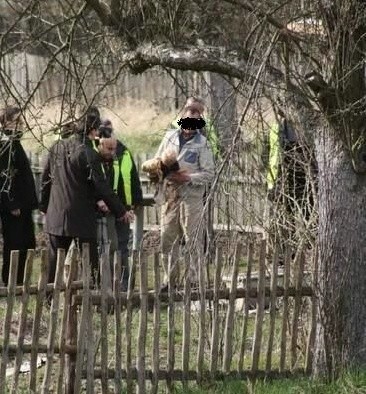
pixel 68 130
pixel 105 131
pixel 92 110
pixel 9 114
pixel 87 124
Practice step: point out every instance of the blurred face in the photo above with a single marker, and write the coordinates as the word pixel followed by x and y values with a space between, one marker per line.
pixel 190 114
pixel 107 148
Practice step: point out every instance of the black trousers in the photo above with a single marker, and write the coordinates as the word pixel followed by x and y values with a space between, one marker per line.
pixel 18 234
pixel 123 236
pixel 63 242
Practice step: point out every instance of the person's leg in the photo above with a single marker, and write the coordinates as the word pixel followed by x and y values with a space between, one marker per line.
pixel 6 229
pixel 123 236
pixel 192 224
pixel 170 235
pixel 18 234
pixel 56 242
pixel 27 241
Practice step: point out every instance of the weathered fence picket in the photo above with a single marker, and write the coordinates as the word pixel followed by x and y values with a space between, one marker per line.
pixel 7 322
pixel 42 283
pixel 23 317
pixel 215 318
pixel 248 285
pixel 156 327
pixel 118 324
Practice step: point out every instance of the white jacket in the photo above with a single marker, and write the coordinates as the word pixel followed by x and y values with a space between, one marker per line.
pixel 195 157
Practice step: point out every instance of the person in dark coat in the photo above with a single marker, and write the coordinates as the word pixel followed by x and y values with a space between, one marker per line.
pixel 18 193
pixel 72 182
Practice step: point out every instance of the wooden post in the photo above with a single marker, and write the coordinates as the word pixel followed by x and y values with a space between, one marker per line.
pixel 71 338
pixel 272 312
pixel 14 258
pixel 131 282
pixel 260 308
pixel 285 311
pixel 247 286
pixel 66 306
pixel 171 328
pixel 141 345
pixel 202 318
pixel 156 333
pixel 312 331
pixel 229 324
pixel 105 290
pixel 117 316
pixel 215 324
pixel 186 320
pixel 297 306
pixel 41 293
pixel 138 228
pixel 82 337
pixel 23 319
pixel 53 320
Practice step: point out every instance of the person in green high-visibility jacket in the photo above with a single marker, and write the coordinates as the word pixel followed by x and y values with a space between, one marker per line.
pixel 291 176
pixel 121 171
pixel 274 155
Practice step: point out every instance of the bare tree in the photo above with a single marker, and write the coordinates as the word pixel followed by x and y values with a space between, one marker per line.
pixel 307 54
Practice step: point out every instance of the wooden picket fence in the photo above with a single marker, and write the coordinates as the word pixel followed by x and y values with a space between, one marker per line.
pixel 248 318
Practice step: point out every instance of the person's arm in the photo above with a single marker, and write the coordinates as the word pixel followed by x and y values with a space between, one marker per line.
pixel 103 191
pixel 10 195
pixel 46 184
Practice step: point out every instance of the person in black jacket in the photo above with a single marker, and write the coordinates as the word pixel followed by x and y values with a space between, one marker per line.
pixel 125 181
pixel 72 182
pixel 18 193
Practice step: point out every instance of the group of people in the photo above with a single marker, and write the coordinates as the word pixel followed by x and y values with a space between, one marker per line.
pixel 90 187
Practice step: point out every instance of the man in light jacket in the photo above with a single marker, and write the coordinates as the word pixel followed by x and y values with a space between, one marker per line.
pixel 182 212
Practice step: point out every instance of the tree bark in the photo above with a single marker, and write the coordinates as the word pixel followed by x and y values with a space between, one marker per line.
pixel 341 328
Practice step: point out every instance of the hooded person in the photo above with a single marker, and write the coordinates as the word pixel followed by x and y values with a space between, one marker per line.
pixel 18 196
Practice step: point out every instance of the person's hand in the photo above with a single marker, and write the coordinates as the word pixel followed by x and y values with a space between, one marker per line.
pixel 180 177
pixel 102 206
pixel 128 217
pixel 15 212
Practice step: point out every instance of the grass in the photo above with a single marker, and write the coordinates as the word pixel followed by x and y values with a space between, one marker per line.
pixel 349 383
pixel 139 124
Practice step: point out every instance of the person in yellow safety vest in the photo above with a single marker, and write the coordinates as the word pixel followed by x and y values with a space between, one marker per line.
pixel 124 179
pixel 209 131
pixel 288 176
pixel 274 155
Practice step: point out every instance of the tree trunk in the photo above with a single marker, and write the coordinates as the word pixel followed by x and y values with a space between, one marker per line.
pixel 341 328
